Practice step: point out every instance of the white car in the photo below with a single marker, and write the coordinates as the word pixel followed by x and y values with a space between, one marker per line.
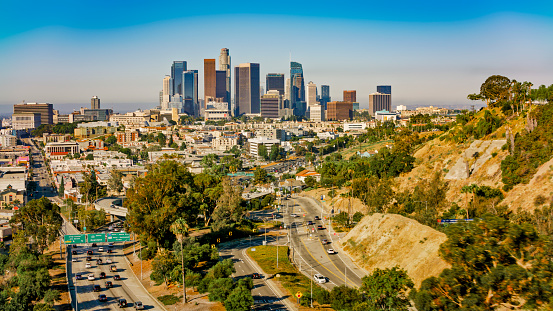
pixel 138 305
pixel 88 265
pixel 319 278
pixel 100 249
pixel 74 259
pixel 330 251
pixel 91 277
pixel 294 215
pixel 109 260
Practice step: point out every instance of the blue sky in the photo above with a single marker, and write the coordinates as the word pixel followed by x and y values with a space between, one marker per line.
pixel 431 52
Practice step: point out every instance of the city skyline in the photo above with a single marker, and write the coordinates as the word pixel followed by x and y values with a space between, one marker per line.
pixel 430 58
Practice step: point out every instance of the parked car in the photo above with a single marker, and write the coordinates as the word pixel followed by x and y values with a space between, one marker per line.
pixel 97 288
pixel 122 303
pixel 319 278
pixel 138 305
pixel 78 277
pixel 117 277
pixel 109 284
pixel 102 297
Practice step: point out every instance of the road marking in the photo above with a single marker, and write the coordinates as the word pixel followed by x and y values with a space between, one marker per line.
pixel 327 255
pixel 318 261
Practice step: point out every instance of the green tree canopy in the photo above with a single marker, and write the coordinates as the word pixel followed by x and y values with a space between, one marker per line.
pixel 387 289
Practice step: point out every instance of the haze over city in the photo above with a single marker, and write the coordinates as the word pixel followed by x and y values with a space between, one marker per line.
pixel 431 53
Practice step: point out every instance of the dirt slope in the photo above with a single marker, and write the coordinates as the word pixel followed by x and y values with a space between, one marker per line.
pixel 386 240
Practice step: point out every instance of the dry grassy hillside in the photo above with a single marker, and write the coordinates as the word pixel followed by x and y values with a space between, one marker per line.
pixel 388 240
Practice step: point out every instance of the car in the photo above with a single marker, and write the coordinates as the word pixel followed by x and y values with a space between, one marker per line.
pixel 75 246
pixel 102 275
pixel 122 303
pixel 88 258
pixel 256 275
pixel 88 265
pixel 309 223
pixel 99 261
pixel 317 218
pixel 109 284
pixel 102 297
pixel 74 259
pixel 110 244
pixel 97 288
pixel 94 244
pixel 78 277
pixel 109 260
pixel 110 251
pixel 89 252
pixel 294 215
pixel 100 249
pixel 113 268
pixel 319 278
pixel 117 277
pixel 138 305
pixel 325 241
pixel 330 251
pixel 320 227
pixel 91 277
pixel 74 252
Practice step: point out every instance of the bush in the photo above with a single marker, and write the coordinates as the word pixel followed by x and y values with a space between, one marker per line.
pixel 168 299
pixel 357 216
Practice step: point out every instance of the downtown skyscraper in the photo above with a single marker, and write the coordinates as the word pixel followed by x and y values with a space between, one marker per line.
pixel 275 82
pixel 225 65
pixel 177 69
pixel 246 89
pixel 297 89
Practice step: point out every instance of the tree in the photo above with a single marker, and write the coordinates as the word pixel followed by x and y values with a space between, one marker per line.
pixel 240 299
pixel 229 206
pixel 260 176
pixel 164 263
pixel 220 289
pixel 110 140
pixel 344 298
pixel 40 221
pixel 180 229
pixel 156 200
pixel 494 264
pixel 91 189
pixel 387 289
pixel 209 190
pixel 115 181
pixel 223 269
pixel 89 157
pixel 262 152
pixel 61 188
pixel 310 181
pixel 495 88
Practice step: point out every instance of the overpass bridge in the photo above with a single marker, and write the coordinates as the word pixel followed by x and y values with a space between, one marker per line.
pixel 112 206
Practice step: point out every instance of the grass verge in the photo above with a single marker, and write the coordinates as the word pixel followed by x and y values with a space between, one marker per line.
pixel 168 299
pixel 290 278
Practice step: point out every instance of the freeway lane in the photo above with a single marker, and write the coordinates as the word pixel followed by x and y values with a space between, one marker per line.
pixel 307 240
pixel 265 293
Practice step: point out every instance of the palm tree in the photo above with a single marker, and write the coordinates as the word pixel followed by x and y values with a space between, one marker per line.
pixel 180 229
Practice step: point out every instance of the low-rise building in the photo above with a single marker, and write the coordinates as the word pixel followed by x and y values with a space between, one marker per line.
pixel 58 150
pixel 8 140
pixel 25 120
pixel 301 176
pixel 257 142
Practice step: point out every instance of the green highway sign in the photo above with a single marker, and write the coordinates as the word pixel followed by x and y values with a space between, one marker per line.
pixel 74 239
pixel 96 237
pixel 118 237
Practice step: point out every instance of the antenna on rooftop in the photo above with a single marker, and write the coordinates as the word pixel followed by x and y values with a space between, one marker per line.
pixel 290 56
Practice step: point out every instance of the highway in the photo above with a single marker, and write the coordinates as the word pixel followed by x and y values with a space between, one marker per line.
pixel 266 294
pixel 307 241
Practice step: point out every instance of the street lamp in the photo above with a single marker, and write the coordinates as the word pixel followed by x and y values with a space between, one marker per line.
pixel 426 208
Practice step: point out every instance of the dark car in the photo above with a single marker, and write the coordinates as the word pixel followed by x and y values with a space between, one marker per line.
pixel 317 218
pixel 122 303
pixel 75 246
pixel 110 244
pixel 102 275
pixel 309 223
pixel 78 277
pixel 110 251
pixel 88 258
pixel 94 244
pixel 89 252
pixel 102 297
pixel 97 288
pixel 99 261
pixel 319 227
pixel 117 277
pixel 109 284
pixel 74 252
pixel 256 276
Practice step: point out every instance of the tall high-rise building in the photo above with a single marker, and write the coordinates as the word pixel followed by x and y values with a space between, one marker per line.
pixel 246 88
pixel 297 86
pixel 166 93
pixel 384 89
pixel 311 94
pixel 221 85
pixel 275 81
pixel 350 96
pixel 94 102
pixel 325 95
pixel 210 80
pixel 337 111
pixel 225 65
pixel 379 102
pixel 190 96
pixel 46 111
pixel 270 104
pixel 177 69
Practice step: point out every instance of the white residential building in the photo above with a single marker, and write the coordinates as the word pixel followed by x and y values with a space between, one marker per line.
pixel 25 120
pixel 255 143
